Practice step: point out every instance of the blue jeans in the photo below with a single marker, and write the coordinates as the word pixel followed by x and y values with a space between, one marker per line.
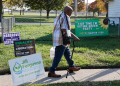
pixel 59 51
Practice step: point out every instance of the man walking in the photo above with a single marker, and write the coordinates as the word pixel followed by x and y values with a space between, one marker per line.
pixel 62 24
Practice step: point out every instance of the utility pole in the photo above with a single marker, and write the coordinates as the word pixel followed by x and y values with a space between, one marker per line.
pixel 0 9
pixel 1 18
pixel 86 8
pixel 75 8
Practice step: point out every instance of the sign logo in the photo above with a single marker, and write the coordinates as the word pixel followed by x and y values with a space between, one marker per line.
pixel 17 68
pixel 24 67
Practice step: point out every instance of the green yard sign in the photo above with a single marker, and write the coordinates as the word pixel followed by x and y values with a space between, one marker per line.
pixel 90 27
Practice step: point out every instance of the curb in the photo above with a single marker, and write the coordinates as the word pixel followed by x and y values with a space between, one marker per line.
pixel 7 71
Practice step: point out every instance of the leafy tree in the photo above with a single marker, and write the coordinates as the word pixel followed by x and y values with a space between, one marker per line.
pixel 35 4
pixel 92 7
pixel 101 6
pixel 47 5
pixel 97 6
pixel 9 4
pixel 53 4
pixel 59 7
pixel 20 4
pixel 14 3
pixel 80 5
pixel 106 5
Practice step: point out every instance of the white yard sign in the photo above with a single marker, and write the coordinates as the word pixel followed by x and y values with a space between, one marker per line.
pixel 26 68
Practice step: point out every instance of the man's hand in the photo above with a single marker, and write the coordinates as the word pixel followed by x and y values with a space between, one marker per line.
pixel 75 37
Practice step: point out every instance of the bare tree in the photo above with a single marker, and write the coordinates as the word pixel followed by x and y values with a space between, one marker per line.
pixel 0 9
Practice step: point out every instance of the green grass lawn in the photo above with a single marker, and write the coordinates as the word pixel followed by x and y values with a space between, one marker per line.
pixel 28 14
pixel 42 14
pixel 35 17
pixel 90 52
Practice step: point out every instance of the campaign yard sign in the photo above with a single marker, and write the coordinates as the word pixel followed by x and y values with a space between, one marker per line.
pixel 24 47
pixel 90 27
pixel 9 38
pixel 26 68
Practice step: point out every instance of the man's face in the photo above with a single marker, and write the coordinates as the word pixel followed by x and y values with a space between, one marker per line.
pixel 69 13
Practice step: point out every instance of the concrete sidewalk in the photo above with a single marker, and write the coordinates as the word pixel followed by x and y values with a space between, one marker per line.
pixel 82 75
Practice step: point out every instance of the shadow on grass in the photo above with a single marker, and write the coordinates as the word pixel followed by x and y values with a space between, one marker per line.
pixel 28 20
pixel 105 44
pixel 45 38
pixel 0 39
pixel 101 43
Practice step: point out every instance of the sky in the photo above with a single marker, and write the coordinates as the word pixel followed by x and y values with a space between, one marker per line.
pixel 89 1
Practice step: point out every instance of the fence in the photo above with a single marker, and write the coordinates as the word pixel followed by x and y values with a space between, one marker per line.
pixel 113 25
pixel 8 24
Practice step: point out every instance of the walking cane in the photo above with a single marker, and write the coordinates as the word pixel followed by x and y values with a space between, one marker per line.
pixel 71 71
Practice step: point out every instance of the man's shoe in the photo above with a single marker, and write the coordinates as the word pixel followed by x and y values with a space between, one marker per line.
pixel 53 75
pixel 74 68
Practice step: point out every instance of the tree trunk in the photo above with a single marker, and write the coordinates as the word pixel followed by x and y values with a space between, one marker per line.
pixel 40 12
pixel 20 12
pixel 23 11
pixel 98 13
pixel 3 12
pixel 48 13
pixel 40 17
pixel 56 12
pixel 0 9
pixel 11 11
pixel 93 14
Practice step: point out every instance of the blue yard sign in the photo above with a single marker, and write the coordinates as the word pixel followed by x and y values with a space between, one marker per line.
pixel 9 38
